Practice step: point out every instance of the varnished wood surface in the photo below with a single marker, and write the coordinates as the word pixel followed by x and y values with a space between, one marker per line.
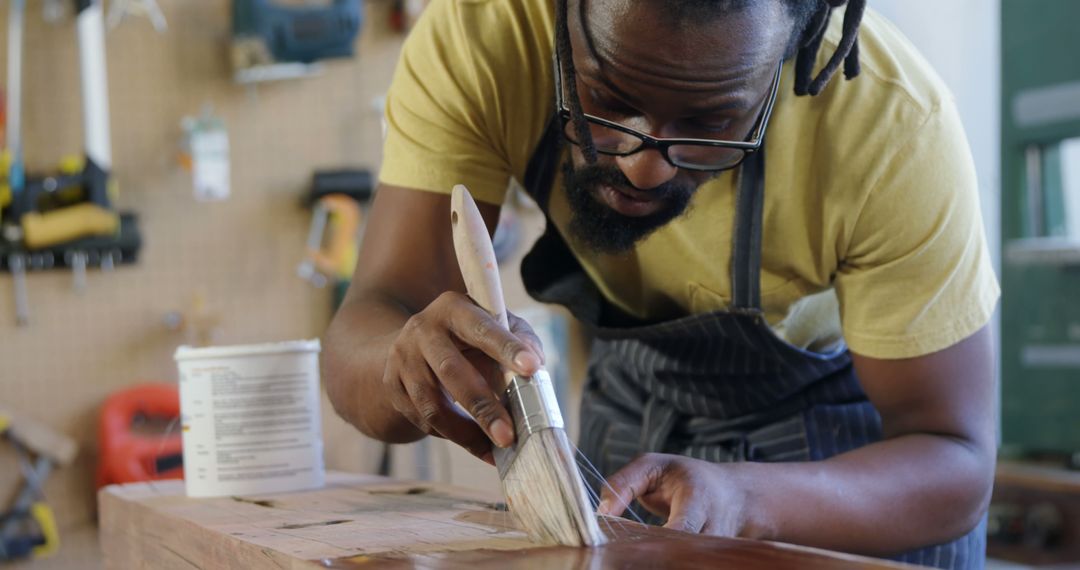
pixel 360 522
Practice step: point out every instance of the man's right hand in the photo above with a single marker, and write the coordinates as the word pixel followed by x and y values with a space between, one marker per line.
pixel 452 352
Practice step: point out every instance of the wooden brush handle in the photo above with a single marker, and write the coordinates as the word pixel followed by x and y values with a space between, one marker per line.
pixel 475 255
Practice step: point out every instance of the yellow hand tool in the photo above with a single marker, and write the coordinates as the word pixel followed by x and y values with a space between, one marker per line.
pixel 332 240
pixel 29 529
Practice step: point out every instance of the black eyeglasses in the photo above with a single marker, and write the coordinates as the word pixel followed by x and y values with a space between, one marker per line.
pixel 613 139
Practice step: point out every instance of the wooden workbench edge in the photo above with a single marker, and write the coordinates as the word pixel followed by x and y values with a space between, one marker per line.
pixel 135 536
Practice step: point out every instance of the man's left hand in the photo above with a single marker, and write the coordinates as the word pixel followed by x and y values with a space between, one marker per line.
pixel 694 495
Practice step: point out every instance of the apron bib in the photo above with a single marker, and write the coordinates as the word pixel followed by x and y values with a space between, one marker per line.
pixel 718 386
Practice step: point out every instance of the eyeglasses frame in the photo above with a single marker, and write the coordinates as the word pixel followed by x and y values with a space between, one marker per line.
pixel 751 145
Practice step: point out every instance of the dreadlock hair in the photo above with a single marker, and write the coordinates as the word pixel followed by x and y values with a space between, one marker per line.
pixel 581 128
pixel 847 51
pixel 811 20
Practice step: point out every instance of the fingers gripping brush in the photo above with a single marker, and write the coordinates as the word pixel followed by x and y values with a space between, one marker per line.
pixel 540 476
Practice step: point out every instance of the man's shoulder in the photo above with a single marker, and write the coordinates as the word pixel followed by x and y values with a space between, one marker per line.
pixel 506 43
pixel 854 128
pixel 497 20
pixel 891 66
pixel 474 81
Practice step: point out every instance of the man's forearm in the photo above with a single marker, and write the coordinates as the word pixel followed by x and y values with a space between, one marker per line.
pixel 356 346
pixel 889 497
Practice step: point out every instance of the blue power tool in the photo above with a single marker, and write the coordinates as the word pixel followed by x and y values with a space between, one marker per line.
pixel 265 33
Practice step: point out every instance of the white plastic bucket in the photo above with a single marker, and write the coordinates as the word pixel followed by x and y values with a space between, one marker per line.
pixel 250 418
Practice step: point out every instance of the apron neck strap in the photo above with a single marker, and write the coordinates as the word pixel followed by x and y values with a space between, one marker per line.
pixel 746 241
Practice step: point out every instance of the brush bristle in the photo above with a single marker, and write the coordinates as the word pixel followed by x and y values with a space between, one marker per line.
pixel 546 494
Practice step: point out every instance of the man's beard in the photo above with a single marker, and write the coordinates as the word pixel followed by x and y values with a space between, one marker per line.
pixel 600 228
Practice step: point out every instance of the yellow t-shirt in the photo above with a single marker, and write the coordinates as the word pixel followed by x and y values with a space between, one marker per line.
pixel 872 233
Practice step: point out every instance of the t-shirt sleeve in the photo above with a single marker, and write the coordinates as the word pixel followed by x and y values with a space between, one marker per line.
pixel 447 112
pixel 916 277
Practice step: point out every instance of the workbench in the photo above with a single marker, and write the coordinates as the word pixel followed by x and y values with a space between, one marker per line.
pixel 363 521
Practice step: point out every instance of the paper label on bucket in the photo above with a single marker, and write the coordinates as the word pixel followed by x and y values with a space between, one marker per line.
pixel 250 421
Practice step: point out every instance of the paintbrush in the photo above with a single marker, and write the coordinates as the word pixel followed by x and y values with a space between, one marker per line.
pixel 540 476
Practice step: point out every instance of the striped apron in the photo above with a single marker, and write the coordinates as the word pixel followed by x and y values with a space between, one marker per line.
pixel 719 386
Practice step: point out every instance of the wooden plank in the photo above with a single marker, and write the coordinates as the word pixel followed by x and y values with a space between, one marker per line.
pixel 1049 478
pixel 40 438
pixel 360 519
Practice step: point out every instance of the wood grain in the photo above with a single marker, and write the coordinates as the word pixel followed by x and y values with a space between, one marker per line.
pixel 358 520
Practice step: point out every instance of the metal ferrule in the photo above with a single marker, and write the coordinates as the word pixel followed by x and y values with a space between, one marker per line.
pixel 533 407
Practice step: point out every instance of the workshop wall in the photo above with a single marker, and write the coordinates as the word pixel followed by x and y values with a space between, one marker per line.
pixel 236 259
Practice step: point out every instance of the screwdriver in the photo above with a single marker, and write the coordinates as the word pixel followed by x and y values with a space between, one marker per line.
pixel 17 266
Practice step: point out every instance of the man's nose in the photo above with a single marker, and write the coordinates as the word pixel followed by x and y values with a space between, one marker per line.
pixel 646 169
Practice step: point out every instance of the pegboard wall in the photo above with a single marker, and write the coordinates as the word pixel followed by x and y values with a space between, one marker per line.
pixel 238 256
